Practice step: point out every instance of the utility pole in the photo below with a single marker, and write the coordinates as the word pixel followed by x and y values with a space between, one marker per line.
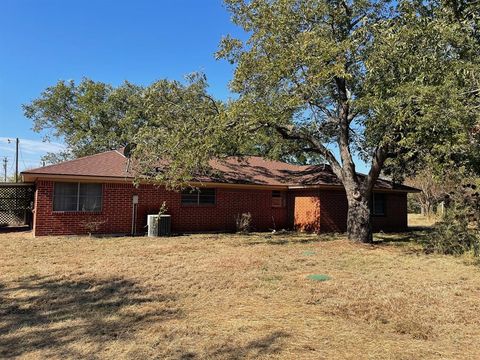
pixel 16 160
pixel 5 161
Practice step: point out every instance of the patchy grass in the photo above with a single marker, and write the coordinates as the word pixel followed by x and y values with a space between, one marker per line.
pixel 233 297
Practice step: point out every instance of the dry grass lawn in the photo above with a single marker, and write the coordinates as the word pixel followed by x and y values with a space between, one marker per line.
pixel 233 297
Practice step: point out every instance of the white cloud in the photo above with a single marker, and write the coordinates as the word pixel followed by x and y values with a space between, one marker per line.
pixel 34 147
pixel 30 152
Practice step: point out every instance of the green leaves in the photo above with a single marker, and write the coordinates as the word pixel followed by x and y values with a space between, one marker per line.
pixel 90 117
pixel 404 67
pixel 399 79
pixel 185 130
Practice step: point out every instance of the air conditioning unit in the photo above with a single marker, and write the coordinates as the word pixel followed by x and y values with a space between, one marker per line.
pixel 159 225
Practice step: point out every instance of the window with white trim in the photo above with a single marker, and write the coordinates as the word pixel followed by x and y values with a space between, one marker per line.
pixel 196 197
pixel 77 197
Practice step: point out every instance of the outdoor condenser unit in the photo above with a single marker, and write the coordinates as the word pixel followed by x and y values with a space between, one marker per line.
pixel 159 225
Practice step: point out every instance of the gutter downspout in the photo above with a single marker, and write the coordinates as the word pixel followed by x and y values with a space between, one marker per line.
pixel 134 214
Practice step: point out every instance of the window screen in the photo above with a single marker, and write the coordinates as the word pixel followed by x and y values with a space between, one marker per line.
pixel 378 204
pixel 65 197
pixel 199 197
pixel 77 197
pixel 90 197
pixel 278 198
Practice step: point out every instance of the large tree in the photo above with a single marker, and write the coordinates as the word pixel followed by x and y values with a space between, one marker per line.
pixel 388 81
pixel 92 116
pixel 89 116
pixel 391 82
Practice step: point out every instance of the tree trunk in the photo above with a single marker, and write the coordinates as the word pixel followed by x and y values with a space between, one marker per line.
pixel 359 222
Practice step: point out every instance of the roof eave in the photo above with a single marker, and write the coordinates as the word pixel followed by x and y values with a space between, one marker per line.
pixel 32 177
pixel 340 187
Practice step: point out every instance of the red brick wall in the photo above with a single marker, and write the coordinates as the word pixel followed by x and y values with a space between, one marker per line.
pixel 302 212
pixel 395 218
pixel 332 207
pixel 117 211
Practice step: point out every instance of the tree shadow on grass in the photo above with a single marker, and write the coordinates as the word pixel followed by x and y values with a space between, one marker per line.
pixel 53 313
pixel 412 235
pixel 258 348
pixel 291 238
pixel 266 345
pixel 5 229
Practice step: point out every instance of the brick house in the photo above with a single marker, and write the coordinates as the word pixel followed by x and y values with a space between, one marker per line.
pixel 278 195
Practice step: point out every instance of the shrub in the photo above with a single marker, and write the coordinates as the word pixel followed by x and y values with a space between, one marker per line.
pixel 92 226
pixel 244 223
pixel 163 209
pixel 458 232
pixel 452 236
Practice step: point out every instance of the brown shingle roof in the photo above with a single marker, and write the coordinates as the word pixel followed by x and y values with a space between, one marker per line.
pixel 106 164
pixel 251 170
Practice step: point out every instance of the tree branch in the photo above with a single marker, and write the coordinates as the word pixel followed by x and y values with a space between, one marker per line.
pixel 214 103
pixel 379 157
pixel 291 134
pixel 344 136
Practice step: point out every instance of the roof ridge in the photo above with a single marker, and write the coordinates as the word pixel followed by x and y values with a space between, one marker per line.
pixel 119 153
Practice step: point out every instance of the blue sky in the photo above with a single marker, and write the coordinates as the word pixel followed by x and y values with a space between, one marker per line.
pixel 43 41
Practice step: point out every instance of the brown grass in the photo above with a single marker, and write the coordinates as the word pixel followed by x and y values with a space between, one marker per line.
pixel 233 297
pixel 418 220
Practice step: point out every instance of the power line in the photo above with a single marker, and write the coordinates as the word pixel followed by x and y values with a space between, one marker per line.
pixel 16 159
pixel 23 159
pixel 17 142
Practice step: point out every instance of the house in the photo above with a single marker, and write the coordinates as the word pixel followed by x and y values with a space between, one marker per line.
pixel 98 190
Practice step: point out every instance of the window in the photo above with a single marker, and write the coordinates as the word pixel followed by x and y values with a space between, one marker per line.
pixel 77 197
pixel 378 204
pixel 278 198
pixel 198 197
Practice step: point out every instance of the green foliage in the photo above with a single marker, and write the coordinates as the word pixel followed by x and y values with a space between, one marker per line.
pixel 186 128
pixel 452 236
pixel 55 158
pixel 459 230
pixel 90 116
pixel 410 70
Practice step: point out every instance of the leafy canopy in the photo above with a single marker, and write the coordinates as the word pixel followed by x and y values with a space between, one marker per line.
pixel 393 82
pixel 90 117
pixel 388 81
